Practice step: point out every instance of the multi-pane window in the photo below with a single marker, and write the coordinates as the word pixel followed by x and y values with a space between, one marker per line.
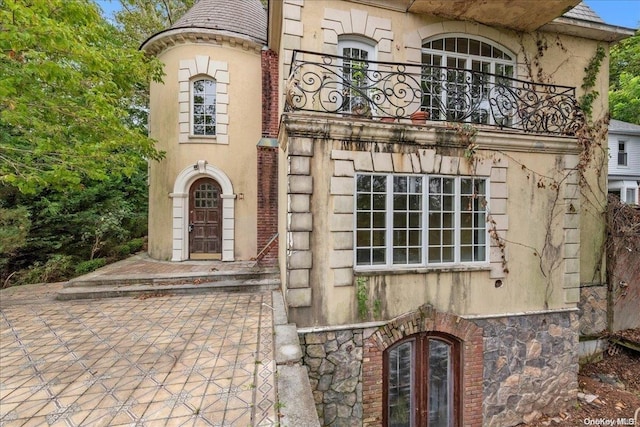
pixel 622 153
pixel 415 220
pixel 458 76
pixel 473 236
pixel 400 391
pixel 355 73
pixel 203 105
pixel 371 219
pixel 421 382
pixel 206 196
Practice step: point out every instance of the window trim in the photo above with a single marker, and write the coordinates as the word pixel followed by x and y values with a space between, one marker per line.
pixel 424 265
pixel 355 41
pixel 192 81
pixel 419 373
pixel 624 153
pixel 203 65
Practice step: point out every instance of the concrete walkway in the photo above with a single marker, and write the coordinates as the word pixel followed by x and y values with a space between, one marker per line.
pixel 187 360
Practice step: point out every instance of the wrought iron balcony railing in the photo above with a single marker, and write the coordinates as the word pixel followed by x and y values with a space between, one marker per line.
pixel 333 84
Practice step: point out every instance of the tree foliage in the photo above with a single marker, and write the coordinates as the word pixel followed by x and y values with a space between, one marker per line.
pixel 624 80
pixel 66 83
pixel 73 147
pixel 47 229
pixel 14 229
pixel 140 19
pixel 136 21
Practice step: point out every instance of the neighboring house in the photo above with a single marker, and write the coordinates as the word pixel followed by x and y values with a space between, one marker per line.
pixel 624 161
pixel 433 264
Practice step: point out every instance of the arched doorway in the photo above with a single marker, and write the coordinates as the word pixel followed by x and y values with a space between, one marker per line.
pixel 181 196
pixel 205 219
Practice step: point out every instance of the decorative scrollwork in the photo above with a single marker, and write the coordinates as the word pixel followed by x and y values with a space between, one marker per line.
pixel 337 85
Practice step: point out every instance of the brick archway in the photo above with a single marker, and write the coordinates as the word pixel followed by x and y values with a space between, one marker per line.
pixel 425 319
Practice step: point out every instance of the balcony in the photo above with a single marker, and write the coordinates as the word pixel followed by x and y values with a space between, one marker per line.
pixel 395 92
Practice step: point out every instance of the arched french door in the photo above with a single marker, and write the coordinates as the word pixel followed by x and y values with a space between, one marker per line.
pixel 205 219
pixel 421 382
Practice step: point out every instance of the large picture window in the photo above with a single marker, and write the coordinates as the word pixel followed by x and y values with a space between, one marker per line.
pixel 421 382
pixel 420 220
pixel 203 105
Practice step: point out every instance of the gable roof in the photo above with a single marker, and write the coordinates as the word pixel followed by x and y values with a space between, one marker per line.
pixel 618 126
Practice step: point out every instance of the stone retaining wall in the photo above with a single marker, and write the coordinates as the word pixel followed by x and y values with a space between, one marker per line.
pixel 593 310
pixel 529 367
pixel 334 361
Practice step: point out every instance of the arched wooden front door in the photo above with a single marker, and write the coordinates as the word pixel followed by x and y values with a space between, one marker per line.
pixel 205 219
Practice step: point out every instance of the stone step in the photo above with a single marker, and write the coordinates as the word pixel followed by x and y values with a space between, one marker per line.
pixel 172 279
pixel 169 286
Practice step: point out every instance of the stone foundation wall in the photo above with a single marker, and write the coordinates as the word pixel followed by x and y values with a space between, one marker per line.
pixel 530 366
pixel 593 310
pixel 334 361
pixel 527 365
pixel 346 366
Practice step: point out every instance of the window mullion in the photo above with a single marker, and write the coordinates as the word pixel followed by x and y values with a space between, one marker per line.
pixel 425 220
pixel 389 221
pixel 456 220
pixel 486 207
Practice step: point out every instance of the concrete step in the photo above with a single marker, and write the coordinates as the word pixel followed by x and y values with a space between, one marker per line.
pixel 172 278
pixel 166 286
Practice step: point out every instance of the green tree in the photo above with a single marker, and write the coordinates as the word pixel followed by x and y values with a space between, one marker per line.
pixel 66 87
pixel 624 80
pixel 136 21
pixel 14 229
pixel 77 224
pixel 140 19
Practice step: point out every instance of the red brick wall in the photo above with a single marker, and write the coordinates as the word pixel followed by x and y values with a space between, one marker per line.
pixel 267 205
pixel 426 319
pixel 268 163
pixel 270 119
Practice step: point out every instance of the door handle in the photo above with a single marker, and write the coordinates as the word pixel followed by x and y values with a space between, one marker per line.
pixel 190 228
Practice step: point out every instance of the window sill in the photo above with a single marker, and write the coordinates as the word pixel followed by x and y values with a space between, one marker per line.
pixel 420 270
pixel 203 139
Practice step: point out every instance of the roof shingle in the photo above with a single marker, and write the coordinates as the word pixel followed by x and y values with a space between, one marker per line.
pixel 583 12
pixel 243 17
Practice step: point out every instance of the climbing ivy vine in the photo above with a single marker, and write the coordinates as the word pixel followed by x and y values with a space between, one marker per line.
pixel 592 157
pixel 588 83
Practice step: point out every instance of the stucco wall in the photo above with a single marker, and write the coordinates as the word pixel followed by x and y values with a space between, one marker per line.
pixel 538 229
pixel 553 227
pixel 233 151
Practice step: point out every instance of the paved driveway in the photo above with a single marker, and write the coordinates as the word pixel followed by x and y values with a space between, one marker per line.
pixel 194 360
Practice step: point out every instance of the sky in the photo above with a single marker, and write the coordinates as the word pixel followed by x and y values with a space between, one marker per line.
pixel 623 13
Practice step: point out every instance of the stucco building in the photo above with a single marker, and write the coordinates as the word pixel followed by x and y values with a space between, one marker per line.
pixel 432 264
pixel 207 116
